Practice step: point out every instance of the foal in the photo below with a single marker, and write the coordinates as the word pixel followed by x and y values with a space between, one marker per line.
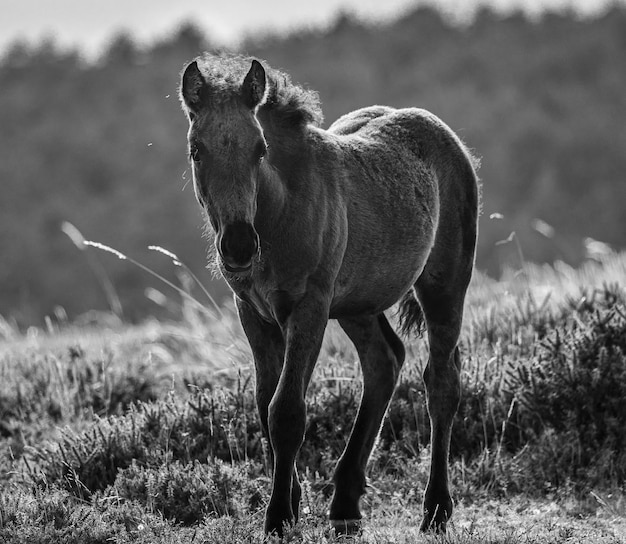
pixel 314 224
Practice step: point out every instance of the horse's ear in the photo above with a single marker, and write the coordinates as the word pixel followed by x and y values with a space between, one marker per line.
pixel 253 87
pixel 192 86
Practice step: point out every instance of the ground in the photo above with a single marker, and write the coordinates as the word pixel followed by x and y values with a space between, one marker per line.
pixel 148 433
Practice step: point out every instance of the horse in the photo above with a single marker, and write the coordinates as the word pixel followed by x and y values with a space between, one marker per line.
pixel 312 224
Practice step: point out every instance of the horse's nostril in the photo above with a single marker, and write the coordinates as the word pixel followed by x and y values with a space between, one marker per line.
pixel 224 246
pixel 238 245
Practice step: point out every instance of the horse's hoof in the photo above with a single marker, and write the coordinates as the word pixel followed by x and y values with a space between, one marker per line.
pixel 348 527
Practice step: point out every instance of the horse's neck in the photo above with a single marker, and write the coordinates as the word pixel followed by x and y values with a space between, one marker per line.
pixel 281 173
pixel 271 198
pixel 286 151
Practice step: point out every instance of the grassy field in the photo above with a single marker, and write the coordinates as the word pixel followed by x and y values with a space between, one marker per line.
pixel 148 434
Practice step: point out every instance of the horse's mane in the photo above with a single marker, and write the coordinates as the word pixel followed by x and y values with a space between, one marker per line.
pixel 288 103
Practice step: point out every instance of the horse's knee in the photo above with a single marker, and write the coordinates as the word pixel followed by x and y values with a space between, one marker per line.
pixel 286 423
pixel 443 384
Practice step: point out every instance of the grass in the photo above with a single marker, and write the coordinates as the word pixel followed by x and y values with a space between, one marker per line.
pixel 149 433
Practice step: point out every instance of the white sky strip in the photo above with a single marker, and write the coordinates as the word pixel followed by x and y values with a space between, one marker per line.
pixel 90 25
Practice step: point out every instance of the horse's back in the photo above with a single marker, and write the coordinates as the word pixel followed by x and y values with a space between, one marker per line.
pixel 415 129
pixel 356 120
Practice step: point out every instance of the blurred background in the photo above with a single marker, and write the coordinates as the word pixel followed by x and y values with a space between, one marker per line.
pixel 92 138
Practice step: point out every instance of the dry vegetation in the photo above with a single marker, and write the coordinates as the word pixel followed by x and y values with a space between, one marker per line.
pixel 149 434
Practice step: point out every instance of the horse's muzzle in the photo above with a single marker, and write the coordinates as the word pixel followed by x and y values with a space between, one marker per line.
pixel 237 246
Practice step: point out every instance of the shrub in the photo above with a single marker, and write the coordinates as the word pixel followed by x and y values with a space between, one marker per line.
pixel 188 493
pixel 210 425
pixel 572 396
pixel 57 388
pixel 533 421
pixel 50 517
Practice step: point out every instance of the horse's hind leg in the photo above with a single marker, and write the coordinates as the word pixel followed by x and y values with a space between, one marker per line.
pixel 441 292
pixel 381 355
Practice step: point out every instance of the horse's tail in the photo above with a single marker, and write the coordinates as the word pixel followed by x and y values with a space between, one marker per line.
pixel 410 315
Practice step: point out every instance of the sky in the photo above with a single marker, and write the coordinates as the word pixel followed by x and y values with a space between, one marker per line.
pixel 89 24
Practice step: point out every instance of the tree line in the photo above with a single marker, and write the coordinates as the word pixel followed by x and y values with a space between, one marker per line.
pixel 101 143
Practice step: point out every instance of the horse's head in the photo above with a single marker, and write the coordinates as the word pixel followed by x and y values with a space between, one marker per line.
pixel 226 148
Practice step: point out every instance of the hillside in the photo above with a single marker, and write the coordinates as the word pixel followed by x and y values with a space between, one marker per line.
pixel 102 144
pixel 149 434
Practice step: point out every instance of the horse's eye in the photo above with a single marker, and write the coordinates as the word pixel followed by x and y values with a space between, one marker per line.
pixel 261 151
pixel 194 152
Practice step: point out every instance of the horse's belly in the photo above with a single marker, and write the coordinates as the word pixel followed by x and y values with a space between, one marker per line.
pixel 354 307
pixel 378 286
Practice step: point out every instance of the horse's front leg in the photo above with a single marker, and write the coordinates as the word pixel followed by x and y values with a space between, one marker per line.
pixel 268 349
pixel 303 330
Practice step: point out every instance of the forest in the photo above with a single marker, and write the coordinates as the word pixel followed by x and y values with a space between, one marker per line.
pixel 101 144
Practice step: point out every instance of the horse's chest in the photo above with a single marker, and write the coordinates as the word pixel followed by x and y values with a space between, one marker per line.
pixel 273 305
pixel 258 301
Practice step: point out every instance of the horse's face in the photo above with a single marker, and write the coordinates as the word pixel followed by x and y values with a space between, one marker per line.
pixel 226 148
